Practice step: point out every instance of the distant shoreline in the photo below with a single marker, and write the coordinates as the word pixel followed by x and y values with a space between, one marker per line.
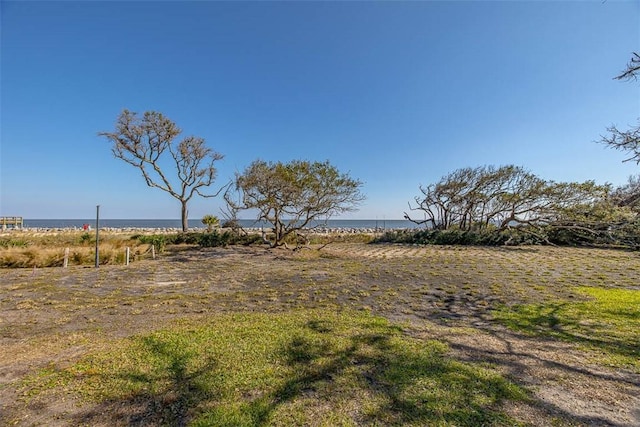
pixel 163 230
pixel 163 225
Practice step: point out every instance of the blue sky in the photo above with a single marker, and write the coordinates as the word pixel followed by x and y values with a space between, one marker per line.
pixel 397 94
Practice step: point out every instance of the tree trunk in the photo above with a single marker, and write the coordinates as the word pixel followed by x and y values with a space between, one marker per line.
pixel 185 220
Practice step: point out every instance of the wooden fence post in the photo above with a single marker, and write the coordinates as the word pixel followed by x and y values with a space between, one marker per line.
pixel 65 263
pixel 127 251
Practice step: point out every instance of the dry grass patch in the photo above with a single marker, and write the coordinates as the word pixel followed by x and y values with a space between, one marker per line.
pixel 27 250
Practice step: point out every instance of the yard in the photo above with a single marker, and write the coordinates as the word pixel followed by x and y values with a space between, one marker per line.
pixel 354 334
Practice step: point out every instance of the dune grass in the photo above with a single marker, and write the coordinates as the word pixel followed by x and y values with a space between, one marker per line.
pixel 304 367
pixel 26 250
pixel 47 249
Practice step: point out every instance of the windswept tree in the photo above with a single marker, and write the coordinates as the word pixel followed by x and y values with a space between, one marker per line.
pixel 149 143
pixel 291 196
pixel 482 197
pixel 507 197
pixel 629 193
pixel 626 140
pixel 626 199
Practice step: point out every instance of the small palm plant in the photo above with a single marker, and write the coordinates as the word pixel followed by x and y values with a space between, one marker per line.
pixel 211 221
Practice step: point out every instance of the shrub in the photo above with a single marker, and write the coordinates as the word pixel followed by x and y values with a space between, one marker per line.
pixel 460 237
pixel 13 243
pixel 184 239
pixel 211 221
pixel 159 241
pixel 214 239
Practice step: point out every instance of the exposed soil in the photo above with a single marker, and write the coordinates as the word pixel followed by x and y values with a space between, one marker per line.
pixel 49 316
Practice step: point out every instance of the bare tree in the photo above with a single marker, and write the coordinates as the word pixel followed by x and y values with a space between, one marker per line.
pixel 632 70
pixel 291 196
pixel 629 140
pixel 145 142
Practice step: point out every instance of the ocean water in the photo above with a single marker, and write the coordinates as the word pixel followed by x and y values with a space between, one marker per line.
pixel 380 224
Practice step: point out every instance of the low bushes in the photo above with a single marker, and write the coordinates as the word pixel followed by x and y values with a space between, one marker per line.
pixel 460 237
pixel 204 240
pixel 628 237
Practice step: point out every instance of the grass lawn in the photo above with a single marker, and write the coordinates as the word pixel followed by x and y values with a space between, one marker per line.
pixel 299 368
pixel 353 335
pixel 607 324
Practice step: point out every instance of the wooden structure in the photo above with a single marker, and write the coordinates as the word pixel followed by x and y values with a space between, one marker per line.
pixel 11 221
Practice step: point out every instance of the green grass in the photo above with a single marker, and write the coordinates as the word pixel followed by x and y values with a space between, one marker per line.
pixel 300 368
pixel 608 323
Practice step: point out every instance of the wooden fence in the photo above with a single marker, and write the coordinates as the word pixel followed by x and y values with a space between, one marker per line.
pixel 11 221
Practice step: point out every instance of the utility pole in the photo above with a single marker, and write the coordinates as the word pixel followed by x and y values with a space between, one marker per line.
pixel 97 235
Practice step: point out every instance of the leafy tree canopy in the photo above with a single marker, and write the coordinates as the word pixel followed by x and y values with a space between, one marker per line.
pixel 487 198
pixel 290 196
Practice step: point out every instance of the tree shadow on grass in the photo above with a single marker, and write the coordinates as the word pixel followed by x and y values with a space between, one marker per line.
pixel 528 362
pixel 388 379
pixel 553 321
pixel 365 373
pixel 164 396
pixel 547 321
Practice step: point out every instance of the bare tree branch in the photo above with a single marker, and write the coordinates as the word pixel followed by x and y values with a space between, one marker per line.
pixel 142 141
pixel 632 70
pixel 628 141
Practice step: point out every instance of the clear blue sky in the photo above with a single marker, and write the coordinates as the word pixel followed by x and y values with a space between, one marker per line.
pixel 397 94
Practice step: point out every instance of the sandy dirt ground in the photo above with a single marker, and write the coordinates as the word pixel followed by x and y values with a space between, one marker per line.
pixel 48 316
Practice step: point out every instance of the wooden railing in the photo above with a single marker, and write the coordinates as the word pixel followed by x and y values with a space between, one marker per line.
pixel 11 221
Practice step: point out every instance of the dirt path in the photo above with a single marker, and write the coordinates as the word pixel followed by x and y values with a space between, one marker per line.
pixel 49 316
